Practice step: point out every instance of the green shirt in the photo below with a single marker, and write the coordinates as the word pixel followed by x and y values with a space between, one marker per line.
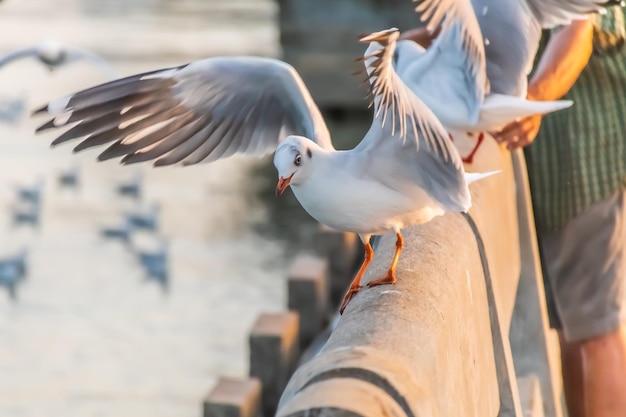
pixel 579 156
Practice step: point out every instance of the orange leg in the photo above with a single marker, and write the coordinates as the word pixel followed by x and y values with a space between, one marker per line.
pixel 355 285
pixel 390 278
pixel 470 158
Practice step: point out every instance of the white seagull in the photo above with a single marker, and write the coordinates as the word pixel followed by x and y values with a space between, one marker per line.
pixel 510 58
pixel 405 171
pixel 451 75
pixel 54 54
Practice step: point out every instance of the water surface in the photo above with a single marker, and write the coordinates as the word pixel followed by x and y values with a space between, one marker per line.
pixel 89 335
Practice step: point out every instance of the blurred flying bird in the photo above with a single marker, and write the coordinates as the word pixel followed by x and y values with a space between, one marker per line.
pixel 13 270
pixel 11 109
pixel 144 220
pixel 26 214
pixel 54 54
pixel 30 193
pixel 131 187
pixel 155 263
pixel 69 177
pixel 122 231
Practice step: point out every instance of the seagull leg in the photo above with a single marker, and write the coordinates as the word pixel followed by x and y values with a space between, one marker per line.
pixel 470 158
pixel 390 278
pixel 355 285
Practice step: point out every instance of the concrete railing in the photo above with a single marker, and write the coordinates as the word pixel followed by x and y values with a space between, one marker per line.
pixel 437 343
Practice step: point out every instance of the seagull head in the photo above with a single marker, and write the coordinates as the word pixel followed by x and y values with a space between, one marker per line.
pixel 293 160
pixel 51 53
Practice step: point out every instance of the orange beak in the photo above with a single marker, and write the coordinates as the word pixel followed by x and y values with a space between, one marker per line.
pixel 283 183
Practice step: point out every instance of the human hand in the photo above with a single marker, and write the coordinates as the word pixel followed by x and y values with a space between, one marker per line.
pixel 519 133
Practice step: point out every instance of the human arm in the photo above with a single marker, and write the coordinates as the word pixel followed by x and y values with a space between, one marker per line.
pixel 564 58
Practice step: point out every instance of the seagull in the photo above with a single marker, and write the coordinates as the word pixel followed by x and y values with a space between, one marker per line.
pixel 451 75
pixel 510 58
pixel 155 263
pixel 148 220
pixel 54 54
pixel 405 171
pixel 13 269
pixel 131 187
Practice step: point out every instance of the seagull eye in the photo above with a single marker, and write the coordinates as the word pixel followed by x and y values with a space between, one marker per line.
pixel 298 160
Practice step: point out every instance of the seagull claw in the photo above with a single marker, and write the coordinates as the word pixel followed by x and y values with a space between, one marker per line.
pixel 390 278
pixel 352 291
pixel 470 158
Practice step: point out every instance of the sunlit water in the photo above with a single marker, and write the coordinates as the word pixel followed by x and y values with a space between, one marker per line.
pixel 89 335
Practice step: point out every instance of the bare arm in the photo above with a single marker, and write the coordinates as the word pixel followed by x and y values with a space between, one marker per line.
pixel 564 58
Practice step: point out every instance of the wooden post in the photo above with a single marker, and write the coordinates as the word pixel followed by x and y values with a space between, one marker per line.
pixel 307 293
pixel 273 354
pixel 343 251
pixel 233 397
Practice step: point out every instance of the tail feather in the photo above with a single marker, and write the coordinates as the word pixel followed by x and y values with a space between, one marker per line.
pixel 471 177
pixel 498 110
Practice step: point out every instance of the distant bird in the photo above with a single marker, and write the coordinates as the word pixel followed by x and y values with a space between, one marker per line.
pixel 11 109
pixel 12 271
pixel 144 220
pixel 131 187
pixel 26 214
pixel 30 193
pixel 155 263
pixel 54 54
pixel 69 177
pixel 121 232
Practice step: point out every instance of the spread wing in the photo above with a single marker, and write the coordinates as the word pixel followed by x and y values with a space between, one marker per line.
pixel 512 30
pixel 450 76
pixel 202 111
pixel 407 148
pixel 18 54
pixel 459 26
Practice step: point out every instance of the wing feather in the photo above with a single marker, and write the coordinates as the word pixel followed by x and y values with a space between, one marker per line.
pixel 449 13
pixel 202 111
pixel 395 102
pixel 18 54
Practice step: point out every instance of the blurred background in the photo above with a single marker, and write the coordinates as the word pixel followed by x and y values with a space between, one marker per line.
pixel 125 291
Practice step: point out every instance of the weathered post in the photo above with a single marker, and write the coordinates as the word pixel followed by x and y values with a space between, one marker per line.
pixel 273 354
pixel 307 294
pixel 343 251
pixel 232 397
